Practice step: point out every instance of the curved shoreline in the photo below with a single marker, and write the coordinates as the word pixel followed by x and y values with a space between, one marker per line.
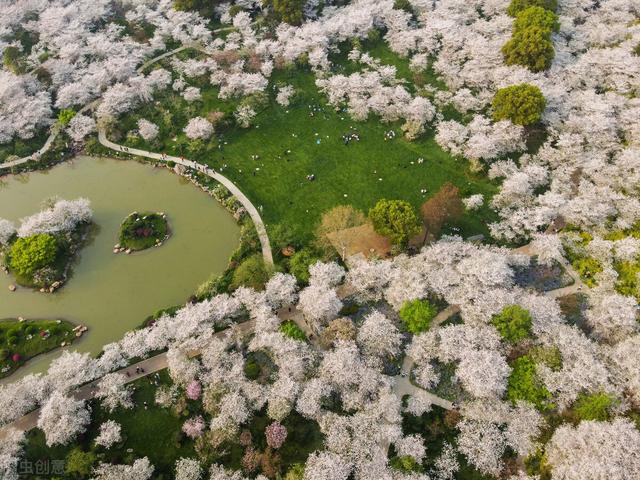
pixel 235 191
pixel 212 262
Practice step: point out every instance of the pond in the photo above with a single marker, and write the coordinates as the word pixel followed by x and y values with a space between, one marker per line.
pixel 109 293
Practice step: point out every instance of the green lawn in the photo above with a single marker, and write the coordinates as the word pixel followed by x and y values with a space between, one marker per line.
pixel 140 231
pixel 25 340
pixel 359 173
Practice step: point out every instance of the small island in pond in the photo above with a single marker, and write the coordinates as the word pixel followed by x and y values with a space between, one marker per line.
pixel 140 231
pixel 21 340
pixel 39 253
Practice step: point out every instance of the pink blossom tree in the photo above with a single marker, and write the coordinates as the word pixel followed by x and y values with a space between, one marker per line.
pixel 276 434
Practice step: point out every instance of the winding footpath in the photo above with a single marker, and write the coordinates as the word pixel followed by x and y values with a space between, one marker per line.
pixel 242 198
pixel 55 128
pixel 402 384
pixel 235 191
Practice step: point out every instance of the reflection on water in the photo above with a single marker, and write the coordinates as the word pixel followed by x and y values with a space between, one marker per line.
pixel 114 293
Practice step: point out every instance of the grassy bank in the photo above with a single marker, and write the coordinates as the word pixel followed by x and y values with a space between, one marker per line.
pixel 21 341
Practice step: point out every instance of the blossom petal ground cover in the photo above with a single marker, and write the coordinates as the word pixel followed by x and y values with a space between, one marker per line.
pixel 451 191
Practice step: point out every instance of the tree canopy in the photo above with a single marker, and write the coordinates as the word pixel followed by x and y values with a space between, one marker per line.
pixel 252 272
pixel 593 406
pixel 530 47
pixel 417 315
pixel 446 205
pixel 513 323
pixel 517 6
pixel 289 11
pixel 29 254
pixel 522 104
pixel 524 384
pixel 395 219
pixel 301 261
pixel 536 17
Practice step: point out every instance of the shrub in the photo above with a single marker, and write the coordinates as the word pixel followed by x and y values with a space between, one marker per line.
pixel 296 472
pixel 14 331
pixel 531 48
pixel 417 315
pixel 517 6
pixel 406 464
pixel 80 463
pixel 395 219
pixel 28 254
pixel 587 268
pixel 289 11
pixel 65 116
pixel 594 406
pixel 523 384
pixel 513 323
pixel 4 353
pixel 291 330
pixel 252 272
pixel 31 330
pixel 522 104
pixel 251 370
pixel 300 263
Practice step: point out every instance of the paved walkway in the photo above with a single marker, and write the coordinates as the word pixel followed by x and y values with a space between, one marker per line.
pixel 55 128
pixel 235 191
pixel 402 385
pixel 147 367
pixel 577 285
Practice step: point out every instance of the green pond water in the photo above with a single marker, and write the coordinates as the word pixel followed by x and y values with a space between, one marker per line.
pixel 109 293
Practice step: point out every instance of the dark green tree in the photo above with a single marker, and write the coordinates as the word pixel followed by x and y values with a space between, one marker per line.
pixel 79 463
pixel 289 11
pixel 301 261
pixel 12 59
pixel 513 323
pixel 395 219
pixel 531 48
pixel 252 272
pixel 206 8
pixel 522 104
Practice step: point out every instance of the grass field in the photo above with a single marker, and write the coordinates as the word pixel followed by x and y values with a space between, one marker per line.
pixel 144 230
pixel 25 340
pixel 359 173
